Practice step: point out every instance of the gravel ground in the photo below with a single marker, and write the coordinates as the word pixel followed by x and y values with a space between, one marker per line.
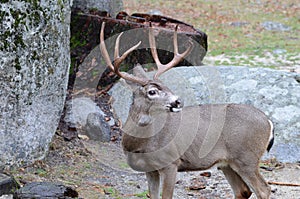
pixel 128 183
pixel 280 62
pixel 99 171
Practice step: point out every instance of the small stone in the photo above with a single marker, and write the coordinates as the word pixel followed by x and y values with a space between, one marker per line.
pixel 197 184
pixel 179 182
pixel 10 196
pixel 78 109
pixel 83 137
pixel 279 51
pixel 206 174
pixel 238 23
pixel 275 26
pixel 96 128
pixel 155 12
pixel 7 184
pixel 45 190
pixel 273 190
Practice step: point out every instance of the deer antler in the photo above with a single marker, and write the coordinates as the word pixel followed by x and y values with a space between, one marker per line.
pixel 117 59
pixel 161 68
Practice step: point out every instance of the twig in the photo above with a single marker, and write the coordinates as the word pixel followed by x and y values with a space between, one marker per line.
pixel 284 184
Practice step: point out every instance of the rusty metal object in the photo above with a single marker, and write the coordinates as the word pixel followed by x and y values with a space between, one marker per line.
pixel 165 27
pixel 85 37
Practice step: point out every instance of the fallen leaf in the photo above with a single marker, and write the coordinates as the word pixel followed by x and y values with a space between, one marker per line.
pixel 206 174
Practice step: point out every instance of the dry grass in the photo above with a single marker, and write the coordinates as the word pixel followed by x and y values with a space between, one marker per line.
pixel 215 18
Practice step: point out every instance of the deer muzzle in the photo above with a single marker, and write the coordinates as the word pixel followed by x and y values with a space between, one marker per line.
pixel 176 105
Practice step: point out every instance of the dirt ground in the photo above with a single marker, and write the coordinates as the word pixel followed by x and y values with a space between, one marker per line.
pixel 99 170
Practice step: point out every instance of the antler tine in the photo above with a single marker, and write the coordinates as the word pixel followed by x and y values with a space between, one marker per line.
pixel 161 68
pixel 103 49
pixel 117 59
pixel 117 46
pixel 153 46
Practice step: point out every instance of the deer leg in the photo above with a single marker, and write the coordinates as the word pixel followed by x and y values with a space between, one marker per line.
pixel 254 180
pixel 262 189
pixel 240 188
pixel 169 179
pixel 153 184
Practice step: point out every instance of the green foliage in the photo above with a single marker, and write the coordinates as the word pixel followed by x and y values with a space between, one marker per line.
pixel 112 192
pixel 143 195
pixel 41 172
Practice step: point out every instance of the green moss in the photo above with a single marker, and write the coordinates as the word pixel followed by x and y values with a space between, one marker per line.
pixel 271 67
pixel 124 165
pixel 77 41
pixel 60 3
pixel 72 66
pixel 12 37
pixel 17 64
pixel 41 172
pixel 3 38
pixel 51 71
pixel 19 41
pixel 93 10
pixel 112 192
pixel 2 14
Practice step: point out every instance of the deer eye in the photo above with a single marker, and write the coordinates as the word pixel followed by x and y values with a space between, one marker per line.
pixel 152 92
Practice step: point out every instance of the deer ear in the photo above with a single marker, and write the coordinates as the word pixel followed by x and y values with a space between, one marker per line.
pixel 139 71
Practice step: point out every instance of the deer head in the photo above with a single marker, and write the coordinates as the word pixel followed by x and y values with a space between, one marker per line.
pixel 151 93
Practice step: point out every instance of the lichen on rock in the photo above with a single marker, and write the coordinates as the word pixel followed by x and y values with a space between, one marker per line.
pixel 34 63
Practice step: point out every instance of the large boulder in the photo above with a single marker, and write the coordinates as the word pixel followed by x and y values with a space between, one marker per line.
pixel 34 64
pixel 276 93
pixel 110 6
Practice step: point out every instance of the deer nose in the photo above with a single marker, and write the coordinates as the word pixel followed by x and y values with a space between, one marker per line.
pixel 178 103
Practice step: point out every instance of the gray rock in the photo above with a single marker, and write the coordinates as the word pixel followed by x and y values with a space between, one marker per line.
pixel 45 190
pixel 34 64
pixel 275 26
pixel 279 51
pixel 7 184
pixel 276 93
pixel 83 114
pixel 122 95
pixel 155 12
pixel 78 109
pixel 7 196
pixel 111 6
pixel 239 23
pixel 96 128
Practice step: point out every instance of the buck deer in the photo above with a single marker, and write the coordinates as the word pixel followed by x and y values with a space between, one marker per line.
pixel 162 137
